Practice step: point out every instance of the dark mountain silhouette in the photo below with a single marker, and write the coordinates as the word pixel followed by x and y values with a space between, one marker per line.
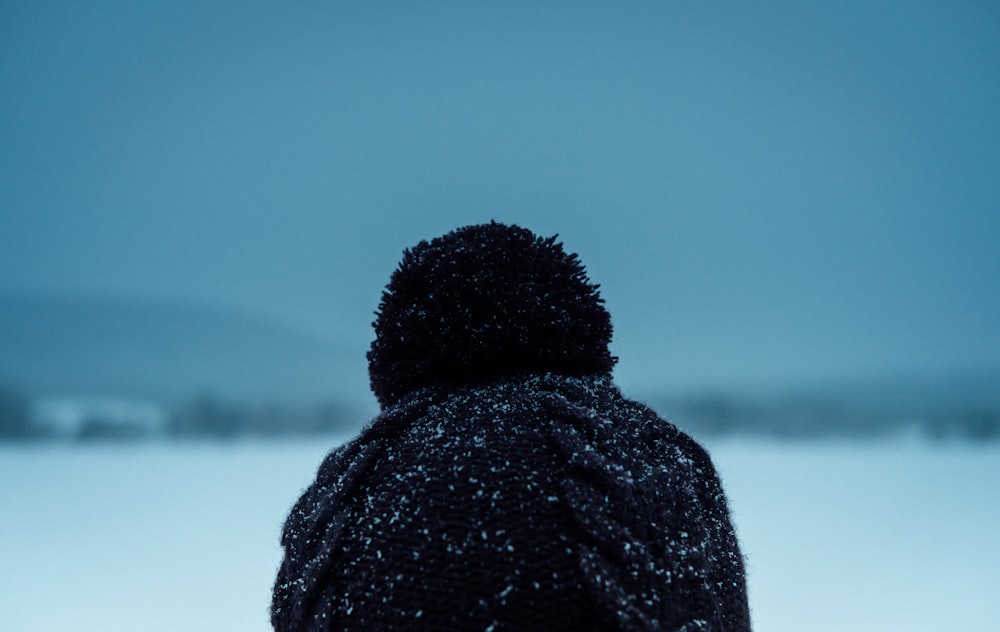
pixel 168 351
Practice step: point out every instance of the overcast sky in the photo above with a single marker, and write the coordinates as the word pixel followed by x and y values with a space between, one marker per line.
pixel 765 191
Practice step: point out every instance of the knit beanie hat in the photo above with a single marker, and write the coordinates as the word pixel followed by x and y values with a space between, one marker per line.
pixel 507 483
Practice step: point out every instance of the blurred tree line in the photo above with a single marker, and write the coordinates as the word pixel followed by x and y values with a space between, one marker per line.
pixel 15 414
pixel 821 417
pixel 705 415
pixel 209 416
pixel 204 416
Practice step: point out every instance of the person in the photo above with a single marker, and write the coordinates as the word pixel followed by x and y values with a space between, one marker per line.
pixel 507 484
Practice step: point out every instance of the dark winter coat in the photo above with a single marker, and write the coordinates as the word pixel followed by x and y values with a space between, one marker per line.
pixel 507 483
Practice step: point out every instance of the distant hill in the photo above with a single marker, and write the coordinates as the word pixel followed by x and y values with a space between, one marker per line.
pixel 169 352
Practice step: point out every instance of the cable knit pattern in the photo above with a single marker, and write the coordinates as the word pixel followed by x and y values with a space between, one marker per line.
pixel 538 503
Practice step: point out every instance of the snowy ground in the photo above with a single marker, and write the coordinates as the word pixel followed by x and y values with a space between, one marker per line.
pixel 867 536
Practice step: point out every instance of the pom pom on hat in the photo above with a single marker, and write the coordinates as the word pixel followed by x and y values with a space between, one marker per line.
pixel 484 302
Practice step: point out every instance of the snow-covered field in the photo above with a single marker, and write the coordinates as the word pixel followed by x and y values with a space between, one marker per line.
pixel 866 536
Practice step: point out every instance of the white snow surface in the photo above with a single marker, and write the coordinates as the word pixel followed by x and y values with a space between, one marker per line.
pixel 845 536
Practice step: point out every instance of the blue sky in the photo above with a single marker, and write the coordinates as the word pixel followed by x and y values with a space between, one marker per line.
pixel 785 191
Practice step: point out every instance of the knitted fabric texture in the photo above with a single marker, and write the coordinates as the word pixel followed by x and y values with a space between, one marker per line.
pixel 522 499
pixel 483 302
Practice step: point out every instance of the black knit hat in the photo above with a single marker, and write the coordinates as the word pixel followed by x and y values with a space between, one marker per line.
pixel 507 483
pixel 482 302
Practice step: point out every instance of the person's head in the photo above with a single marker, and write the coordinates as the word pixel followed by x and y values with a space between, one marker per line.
pixel 507 484
pixel 482 302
